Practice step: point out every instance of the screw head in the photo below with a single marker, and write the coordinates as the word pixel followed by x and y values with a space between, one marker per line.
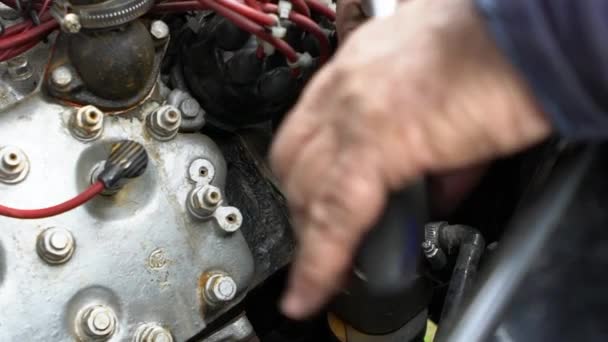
pixel 159 29
pixel 55 245
pixel 14 165
pixel 220 288
pixel 62 77
pixel 71 23
pixel 98 322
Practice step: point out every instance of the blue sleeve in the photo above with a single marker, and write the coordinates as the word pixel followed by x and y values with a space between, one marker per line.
pixel 561 48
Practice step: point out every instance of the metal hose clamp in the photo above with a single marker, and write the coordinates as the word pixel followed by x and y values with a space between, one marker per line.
pixel 106 14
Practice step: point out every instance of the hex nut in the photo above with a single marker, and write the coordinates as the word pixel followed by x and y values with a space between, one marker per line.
pixel 19 68
pixel 61 77
pixel 229 219
pixel 219 288
pixel 204 200
pixel 14 165
pixel 159 30
pixel 97 323
pixel 152 332
pixel 87 123
pixel 163 124
pixel 55 245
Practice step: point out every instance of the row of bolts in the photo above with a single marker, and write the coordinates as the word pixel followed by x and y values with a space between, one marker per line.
pixel 87 124
pixel 56 245
pixel 19 68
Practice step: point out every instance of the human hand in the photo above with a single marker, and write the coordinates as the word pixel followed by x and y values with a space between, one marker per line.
pixel 349 16
pixel 424 91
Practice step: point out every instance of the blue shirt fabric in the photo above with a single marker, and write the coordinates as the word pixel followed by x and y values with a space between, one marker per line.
pixel 561 48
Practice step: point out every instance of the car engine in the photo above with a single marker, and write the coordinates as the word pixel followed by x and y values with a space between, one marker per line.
pixel 141 128
pixel 120 90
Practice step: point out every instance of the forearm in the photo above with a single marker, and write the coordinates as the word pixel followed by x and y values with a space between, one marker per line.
pixel 559 47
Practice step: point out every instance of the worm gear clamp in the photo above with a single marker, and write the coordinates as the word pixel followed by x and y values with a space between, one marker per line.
pixel 104 14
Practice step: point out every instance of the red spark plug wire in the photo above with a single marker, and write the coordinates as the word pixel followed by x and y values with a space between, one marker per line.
pixel 247 25
pixel 317 6
pixel 310 26
pixel 301 7
pixel 254 15
pixel 75 202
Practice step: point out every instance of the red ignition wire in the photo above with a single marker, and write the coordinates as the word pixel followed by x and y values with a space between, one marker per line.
pixel 253 4
pixel 310 26
pixel 316 6
pixel 301 7
pixel 247 25
pixel 33 33
pixel 45 6
pixel 177 6
pixel 16 51
pixel 248 12
pixel 75 202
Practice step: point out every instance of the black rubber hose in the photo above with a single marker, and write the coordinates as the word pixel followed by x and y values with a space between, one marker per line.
pixel 529 231
pixel 470 244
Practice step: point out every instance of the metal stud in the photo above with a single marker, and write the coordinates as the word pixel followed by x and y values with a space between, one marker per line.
pixel 55 245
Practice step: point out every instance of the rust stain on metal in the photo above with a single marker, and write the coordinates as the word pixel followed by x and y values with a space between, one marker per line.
pixel 202 281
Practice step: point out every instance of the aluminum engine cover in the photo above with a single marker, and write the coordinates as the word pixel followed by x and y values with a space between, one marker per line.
pixel 138 252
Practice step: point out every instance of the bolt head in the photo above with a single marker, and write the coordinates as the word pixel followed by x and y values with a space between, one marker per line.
pixel 159 29
pixel 205 200
pixel 71 23
pixel 62 77
pixel 14 165
pixel 19 68
pixel 98 322
pixel 55 245
pixel 212 196
pixel 87 123
pixel 190 108
pixel 152 332
pixel 220 288
pixel 164 122
pixel 12 158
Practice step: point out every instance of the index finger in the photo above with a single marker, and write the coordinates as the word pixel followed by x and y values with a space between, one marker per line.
pixel 303 123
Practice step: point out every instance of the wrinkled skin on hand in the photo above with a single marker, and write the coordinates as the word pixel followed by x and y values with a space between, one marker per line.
pixel 425 91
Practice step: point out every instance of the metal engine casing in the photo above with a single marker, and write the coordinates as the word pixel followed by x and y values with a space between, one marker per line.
pixel 138 252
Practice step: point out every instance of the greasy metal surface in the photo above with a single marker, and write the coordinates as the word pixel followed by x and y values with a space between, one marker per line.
pixel 13 90
pixel 237 331
pixel 250 187
pixel 109 76
pixel 138 252
pixel 114 64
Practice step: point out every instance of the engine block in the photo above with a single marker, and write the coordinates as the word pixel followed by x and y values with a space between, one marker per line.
pixel 142 264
